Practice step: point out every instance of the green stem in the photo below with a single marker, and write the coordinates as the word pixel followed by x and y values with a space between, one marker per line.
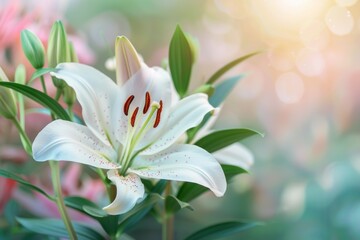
pixel 25 139
pixel 55 177
pixel 108 186
pixel 168 221
pixel 42 80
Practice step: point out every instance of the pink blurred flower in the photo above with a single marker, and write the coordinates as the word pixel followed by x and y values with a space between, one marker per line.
pixel 39 205
pixel 7 187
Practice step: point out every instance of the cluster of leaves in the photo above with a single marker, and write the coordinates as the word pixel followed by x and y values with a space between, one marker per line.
pixel 181 60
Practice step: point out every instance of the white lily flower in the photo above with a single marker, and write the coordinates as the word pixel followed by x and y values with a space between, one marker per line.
pixel 132 131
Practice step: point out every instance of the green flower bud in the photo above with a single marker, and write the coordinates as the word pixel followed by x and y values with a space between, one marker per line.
pixel 127 60
pixel 57 50
pixel 72 56
pixel 69 95
pixel 58 45
pixel 8 107
pixel 20 74
pixel 33 49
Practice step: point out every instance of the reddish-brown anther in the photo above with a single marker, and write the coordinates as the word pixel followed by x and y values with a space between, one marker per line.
pixel 158 115
pixel 127 104
pixel 147 102
pixel 133 117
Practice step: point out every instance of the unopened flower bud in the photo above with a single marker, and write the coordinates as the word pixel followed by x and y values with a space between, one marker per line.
pixel 72 56
pixel 8 107
pixel 20 74
pixel 57 50
pixel 69 95
pixel 127 60
pixel 33 49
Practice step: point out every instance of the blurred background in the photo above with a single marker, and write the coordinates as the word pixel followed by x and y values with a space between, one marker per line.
pixel 302 92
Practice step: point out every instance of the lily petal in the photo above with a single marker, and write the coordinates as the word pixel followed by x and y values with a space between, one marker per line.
pixel 68 141
pixel 236 155
pixel 129 191
pixel 186 114
pixel 97 94
pixel 183 163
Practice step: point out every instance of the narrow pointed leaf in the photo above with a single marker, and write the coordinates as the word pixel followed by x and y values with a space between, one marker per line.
pixel 23 182
pixel 180 61
pixel 85 206
pixel 220 139
pixel 189 191
pixel 223 89
pixel 108 222
pixel 221 230
pixel 56 228
pixel 173 204
pixel 228 66
pixel 38 97
pixel 39 72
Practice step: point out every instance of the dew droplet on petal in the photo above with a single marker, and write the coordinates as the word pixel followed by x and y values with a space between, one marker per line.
pixel 289 87
pixel 339 20
pixel 310 62
pixel 315 35
pixel 346 3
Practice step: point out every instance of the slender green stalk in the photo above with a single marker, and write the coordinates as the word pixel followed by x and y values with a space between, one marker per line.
pixel 55 177
pixel 168 221
pixel 109 189
pixel 25 139
pixel 42 80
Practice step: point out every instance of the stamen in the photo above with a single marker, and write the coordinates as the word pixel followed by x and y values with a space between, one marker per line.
pixel 133 117
pixel 147 102
pixel 127 104
pixel 158 114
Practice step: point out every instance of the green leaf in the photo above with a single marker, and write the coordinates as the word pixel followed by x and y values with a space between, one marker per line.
pixel 85 206
pixel 173 204
pixel 180 61
pixel 38 97
pixel 23 182
pixel 228 66
pixel 56 228
pixel 129 219
pixel 189 191
pixel 220 139
pixel 221 230
pixel 231 171
pixel 223 89
pixel 39 72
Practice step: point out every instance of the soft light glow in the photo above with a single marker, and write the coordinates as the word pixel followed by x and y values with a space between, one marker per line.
pixel 286 16
pixel 310 63
pixel 315 35
pixel 339 20
pixel 289 87
pixel 346 3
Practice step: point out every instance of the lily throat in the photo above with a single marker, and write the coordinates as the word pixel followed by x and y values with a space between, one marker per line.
pixel 139 123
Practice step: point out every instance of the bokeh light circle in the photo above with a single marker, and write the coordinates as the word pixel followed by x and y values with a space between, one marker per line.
pixel 310 62
pixel 339 20
pixel 289 87
pixel 315 35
